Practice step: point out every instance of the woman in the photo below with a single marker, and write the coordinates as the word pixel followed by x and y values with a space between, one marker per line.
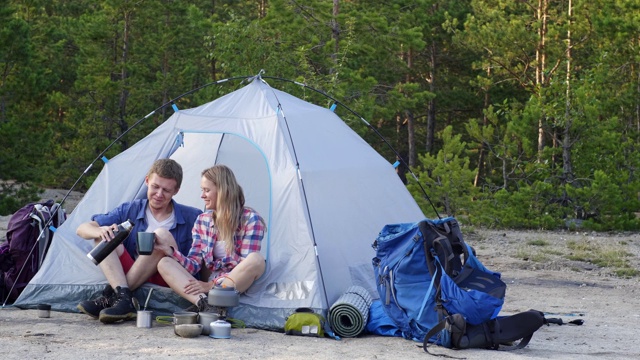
pixel 226 241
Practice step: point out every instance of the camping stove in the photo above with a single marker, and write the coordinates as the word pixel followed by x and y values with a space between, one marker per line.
pixel 223 297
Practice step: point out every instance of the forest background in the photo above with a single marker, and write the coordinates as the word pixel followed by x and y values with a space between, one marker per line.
pixel 508 113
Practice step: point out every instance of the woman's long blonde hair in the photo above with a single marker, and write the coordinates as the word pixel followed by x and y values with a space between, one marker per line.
pixel 229 205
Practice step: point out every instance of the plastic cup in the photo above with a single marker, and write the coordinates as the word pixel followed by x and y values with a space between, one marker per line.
pixel 145 243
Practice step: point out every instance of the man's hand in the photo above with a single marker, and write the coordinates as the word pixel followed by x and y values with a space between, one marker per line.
pixel 93 231
pixel 107 232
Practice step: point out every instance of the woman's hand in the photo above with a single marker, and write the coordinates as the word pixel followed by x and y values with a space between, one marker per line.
pixel 197 287
pixel 164 248
pixel 164 242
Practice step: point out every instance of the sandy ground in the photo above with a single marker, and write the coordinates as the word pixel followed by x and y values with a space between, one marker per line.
pixel 570 290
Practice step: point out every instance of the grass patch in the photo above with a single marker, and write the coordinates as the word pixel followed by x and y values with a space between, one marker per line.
pixel 535 255
pixel 539 257
pixel 538 242
pixel 628 272
pixel 554 252
pixel 610 256
pixel 537 250
pixel 523 254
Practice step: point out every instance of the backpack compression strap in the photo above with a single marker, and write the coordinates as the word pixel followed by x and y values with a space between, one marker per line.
pixel 454 324
pixel 491 334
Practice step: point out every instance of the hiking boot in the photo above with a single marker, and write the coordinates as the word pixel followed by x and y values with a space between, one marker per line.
pixel 123 307
pixel 202 306
pixel 93 307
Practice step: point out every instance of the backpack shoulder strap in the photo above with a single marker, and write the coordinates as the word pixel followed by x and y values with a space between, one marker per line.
pixel 42 217
pixel 448 259
pixel 429 234
pixel 445 241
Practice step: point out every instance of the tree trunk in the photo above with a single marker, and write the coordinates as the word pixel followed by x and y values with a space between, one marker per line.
pixel 483 148
pixel 505 179
pixel 401 170
pixel 567 168
pixel 411 139
pixel 410 118
pixel 335 35
pixel 124 92
pixel 637 42
pixel 262 9
pixel 431 111
pixel 165 72
pixel 542 14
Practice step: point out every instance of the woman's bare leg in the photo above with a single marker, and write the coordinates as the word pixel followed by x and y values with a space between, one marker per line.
pixel 246 272
pixel 177 277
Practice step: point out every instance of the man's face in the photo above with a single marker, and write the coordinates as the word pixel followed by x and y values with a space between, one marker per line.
pixel 160 191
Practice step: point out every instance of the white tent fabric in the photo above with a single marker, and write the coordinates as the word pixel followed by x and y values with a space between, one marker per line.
pixel 323 191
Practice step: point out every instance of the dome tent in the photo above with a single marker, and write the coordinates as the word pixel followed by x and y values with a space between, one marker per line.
pixel 322 190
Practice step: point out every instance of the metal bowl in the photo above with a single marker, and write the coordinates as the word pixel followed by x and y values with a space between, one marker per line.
pixel 185 317
pixel 188 330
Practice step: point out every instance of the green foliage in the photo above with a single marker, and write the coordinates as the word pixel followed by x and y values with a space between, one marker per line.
pixel 14 197
pixel 537 206
pixel 603 205
pixel 446 178
pixel 607 204
pixel 78 78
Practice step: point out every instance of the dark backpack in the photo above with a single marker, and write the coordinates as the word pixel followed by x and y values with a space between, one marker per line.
pixel 435 290
pixel 29 235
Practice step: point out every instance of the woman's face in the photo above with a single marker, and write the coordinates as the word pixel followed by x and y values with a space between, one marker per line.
pixel 209 194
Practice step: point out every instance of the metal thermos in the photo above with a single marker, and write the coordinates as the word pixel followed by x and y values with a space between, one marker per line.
pixel 105 248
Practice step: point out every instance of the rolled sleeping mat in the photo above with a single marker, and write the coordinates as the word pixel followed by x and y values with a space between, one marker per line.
pixel 348 316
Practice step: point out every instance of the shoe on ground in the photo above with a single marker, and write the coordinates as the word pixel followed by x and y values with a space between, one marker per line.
pixel 123 308
pixel 93 307
pixel 202 306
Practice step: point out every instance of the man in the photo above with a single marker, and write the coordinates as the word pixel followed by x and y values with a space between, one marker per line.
pixel 124 268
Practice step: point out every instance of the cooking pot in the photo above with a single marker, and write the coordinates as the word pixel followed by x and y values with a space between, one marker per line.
pixel 185 317
pixel 206 318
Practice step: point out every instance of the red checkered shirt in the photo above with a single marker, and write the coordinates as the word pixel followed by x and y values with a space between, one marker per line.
pixel 247 239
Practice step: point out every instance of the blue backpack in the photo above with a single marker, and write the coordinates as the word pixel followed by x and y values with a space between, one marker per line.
pixel 425 272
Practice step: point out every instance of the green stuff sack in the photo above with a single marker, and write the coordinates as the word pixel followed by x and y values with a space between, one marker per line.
pixel 305 322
